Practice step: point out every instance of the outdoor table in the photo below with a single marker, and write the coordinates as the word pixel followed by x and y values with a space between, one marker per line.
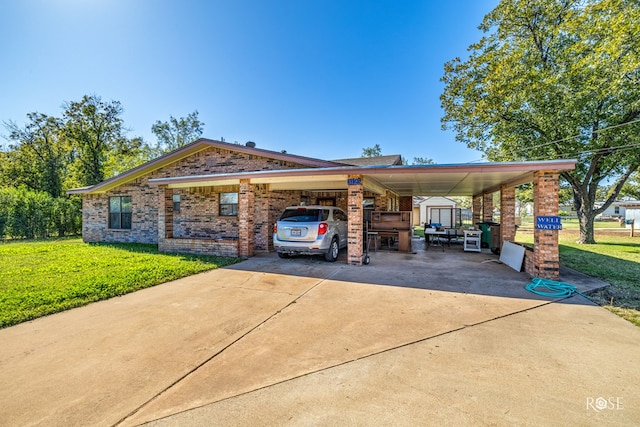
pixel 436 238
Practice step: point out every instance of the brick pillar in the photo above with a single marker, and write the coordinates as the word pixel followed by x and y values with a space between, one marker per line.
pixel 507 214
pixel 476 210
pixel 546 256
pixel 165 216
pixel 355 248
pixel 487 207
pixel 246 210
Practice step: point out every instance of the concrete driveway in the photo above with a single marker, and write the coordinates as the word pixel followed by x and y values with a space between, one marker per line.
pixel 445 338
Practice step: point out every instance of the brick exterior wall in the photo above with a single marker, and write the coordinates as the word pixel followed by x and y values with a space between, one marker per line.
pixel 406 203
pixel 200 246
pixel 199 214
pixel 198 217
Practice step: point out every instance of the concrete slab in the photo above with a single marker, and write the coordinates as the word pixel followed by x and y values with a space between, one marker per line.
pixel 446 336
pixel 96 364
pixel 549 366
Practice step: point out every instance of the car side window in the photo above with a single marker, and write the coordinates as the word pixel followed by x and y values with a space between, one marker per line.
pixel 340 215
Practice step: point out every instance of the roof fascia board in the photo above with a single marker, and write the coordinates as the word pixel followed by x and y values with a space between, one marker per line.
pixel 377 170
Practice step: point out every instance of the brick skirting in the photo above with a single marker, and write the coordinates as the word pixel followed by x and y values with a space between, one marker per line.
pixel 200 246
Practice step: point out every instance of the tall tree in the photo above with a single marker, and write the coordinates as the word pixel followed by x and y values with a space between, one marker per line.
pixel 423 161
pixel 37 157
pixel 374 151
pixel 554 79
pixel 127 154
pixel 177 132
pixel 95 129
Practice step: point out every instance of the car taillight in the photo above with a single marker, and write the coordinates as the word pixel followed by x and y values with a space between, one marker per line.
pixel 275 227
pixel 323 227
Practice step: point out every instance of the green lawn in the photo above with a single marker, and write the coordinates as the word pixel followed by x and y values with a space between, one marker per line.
pixel 43 277
pixel 614 259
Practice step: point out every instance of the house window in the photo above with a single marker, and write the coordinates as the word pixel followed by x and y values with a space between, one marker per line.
pixel 228 204
pixel 327 201
pixel 176 203
pixel 120 212
pixel 616 210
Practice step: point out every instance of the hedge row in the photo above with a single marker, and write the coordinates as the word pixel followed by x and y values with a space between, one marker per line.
pixel 32 214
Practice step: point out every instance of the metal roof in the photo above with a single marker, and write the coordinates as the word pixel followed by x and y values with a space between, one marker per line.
pixel 390 160
pixel 379 173
pixel 424 180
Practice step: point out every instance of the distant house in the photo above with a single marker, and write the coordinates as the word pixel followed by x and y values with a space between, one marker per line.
pixel 632 212
pixel 615 210
pixel 437 209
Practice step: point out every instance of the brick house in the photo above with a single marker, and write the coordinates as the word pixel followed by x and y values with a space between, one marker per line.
pixel 219 198
pixel 200 218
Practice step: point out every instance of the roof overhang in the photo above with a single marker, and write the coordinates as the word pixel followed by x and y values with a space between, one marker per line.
pixel 434 180
pixel 190 149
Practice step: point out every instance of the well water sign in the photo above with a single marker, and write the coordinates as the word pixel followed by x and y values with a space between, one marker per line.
pixel 548 223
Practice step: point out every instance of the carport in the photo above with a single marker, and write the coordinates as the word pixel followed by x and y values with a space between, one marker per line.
pixel 479 180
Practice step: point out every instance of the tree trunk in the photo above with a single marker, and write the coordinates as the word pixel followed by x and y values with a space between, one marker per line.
pixel 586 215
pixel 586 227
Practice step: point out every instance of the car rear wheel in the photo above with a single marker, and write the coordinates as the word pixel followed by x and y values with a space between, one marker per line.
pixel 332 253
pixel 283 255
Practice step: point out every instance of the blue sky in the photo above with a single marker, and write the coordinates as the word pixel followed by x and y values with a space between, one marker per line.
pixel 316 78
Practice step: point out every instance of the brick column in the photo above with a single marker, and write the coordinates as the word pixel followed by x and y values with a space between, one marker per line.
pixel 246 210
pixel 355 248
pixel 546 256
pixel 487 207
pixel 476 215
pixel 165 213
pixel 507 214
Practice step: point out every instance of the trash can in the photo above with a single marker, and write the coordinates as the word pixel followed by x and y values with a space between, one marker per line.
pixel 496 236
pixel 486 232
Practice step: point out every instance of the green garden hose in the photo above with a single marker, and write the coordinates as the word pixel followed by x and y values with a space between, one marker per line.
pixel 549 288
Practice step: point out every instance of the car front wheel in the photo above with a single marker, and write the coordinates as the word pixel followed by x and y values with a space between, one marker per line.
pixel 332 253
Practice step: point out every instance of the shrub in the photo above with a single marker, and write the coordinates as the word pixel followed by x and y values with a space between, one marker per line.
pixel 31 214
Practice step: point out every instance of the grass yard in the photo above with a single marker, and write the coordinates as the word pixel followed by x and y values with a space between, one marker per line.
pixel 614 259
pixel 43 277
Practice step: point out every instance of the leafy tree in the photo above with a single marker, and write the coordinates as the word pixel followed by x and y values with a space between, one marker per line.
pixel 95 130
pixel 38 156
pixel 462 202
pixel 374 151
pixel 127 154
pixel 177 132
pixel 554 79
pixel 423 161
pixel 631 188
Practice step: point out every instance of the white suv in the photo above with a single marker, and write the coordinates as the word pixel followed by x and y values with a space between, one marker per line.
pixel 310 230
